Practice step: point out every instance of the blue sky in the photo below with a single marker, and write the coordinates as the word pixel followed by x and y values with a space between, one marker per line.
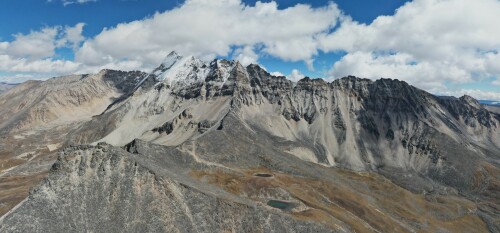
pixel 101 14
pixel 26 15
pixel 422 43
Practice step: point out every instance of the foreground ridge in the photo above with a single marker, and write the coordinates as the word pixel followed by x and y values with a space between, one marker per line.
pixel 130 196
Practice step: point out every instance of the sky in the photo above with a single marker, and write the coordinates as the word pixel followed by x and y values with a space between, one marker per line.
pixel 446 47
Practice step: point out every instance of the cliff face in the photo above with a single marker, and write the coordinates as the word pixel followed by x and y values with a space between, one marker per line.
pixel 206 129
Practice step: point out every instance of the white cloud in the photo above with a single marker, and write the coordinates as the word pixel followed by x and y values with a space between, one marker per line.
pixel 18 78
pixel 34 52
pixel 216 27
pixel 72 36
pixel 69 2
pixel 246 55
pixel 424 41
pixel 9 64
pixel 427 29
pixel 42 44
pixel 295 76
pixel 496 82
pixel 118 65
pixel 36 44
pixel 277 73
pixel 310 64
pixel 477 94
pixel 426 75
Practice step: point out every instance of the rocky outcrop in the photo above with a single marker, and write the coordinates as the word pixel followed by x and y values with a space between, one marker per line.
pixel 105 189
pixel 71 98
pixel 469 111
pixel 36 118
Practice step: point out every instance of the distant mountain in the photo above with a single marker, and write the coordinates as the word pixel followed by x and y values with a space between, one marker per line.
pixel 490 102
pixel 212 147
pixel 6 86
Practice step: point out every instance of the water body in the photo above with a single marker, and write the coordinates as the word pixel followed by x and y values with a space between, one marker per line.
pixel 282 205
pixel 263 175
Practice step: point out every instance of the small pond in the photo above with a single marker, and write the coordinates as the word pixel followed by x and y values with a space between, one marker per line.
pixel 263 175
pixel 282 205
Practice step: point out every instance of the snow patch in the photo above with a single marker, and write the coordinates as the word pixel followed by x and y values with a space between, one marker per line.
pixel 170 60
pixel 185 72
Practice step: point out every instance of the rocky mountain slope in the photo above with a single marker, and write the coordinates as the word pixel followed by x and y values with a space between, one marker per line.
pixel 495 109
pixel 131 194
pixel 5 86
pixel 35 117
pixel 349 155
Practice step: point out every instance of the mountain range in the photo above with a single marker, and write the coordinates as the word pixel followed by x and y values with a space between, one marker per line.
pixel 204 147
pixel 5 86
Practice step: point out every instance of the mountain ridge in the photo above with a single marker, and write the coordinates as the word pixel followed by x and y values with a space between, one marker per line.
pixel 4 86
pixel 234 118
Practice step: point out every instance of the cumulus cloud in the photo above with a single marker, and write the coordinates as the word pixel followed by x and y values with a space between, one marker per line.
pixel 34 52
pixel 40 66
pixel 36 44
pixel 423 42
pixel 295 76
pixel 424 74
pixel 42 43
pixel 246 55
pixel 219 26
pixel 277 73
pixel 72 36
pixel 17 78
pixel 426 42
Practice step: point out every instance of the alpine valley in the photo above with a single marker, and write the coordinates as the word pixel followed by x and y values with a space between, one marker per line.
pixel 219 147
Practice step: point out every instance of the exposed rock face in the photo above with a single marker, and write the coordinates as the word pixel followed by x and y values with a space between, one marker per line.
pixel 469 111
pixel 35 118
pixel 164 189
pixel 63 99
pixel 227 120
pixel 105 189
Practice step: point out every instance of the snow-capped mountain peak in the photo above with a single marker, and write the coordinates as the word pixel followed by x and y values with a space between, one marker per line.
pixel 171 59
pixel 185 70
pixel 224 68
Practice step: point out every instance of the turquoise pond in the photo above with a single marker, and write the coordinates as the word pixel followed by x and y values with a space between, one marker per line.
pixel 281 204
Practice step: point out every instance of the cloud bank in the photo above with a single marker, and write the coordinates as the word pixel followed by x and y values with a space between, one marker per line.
pixel 35 52
pixel 426 42
pixel 216 28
